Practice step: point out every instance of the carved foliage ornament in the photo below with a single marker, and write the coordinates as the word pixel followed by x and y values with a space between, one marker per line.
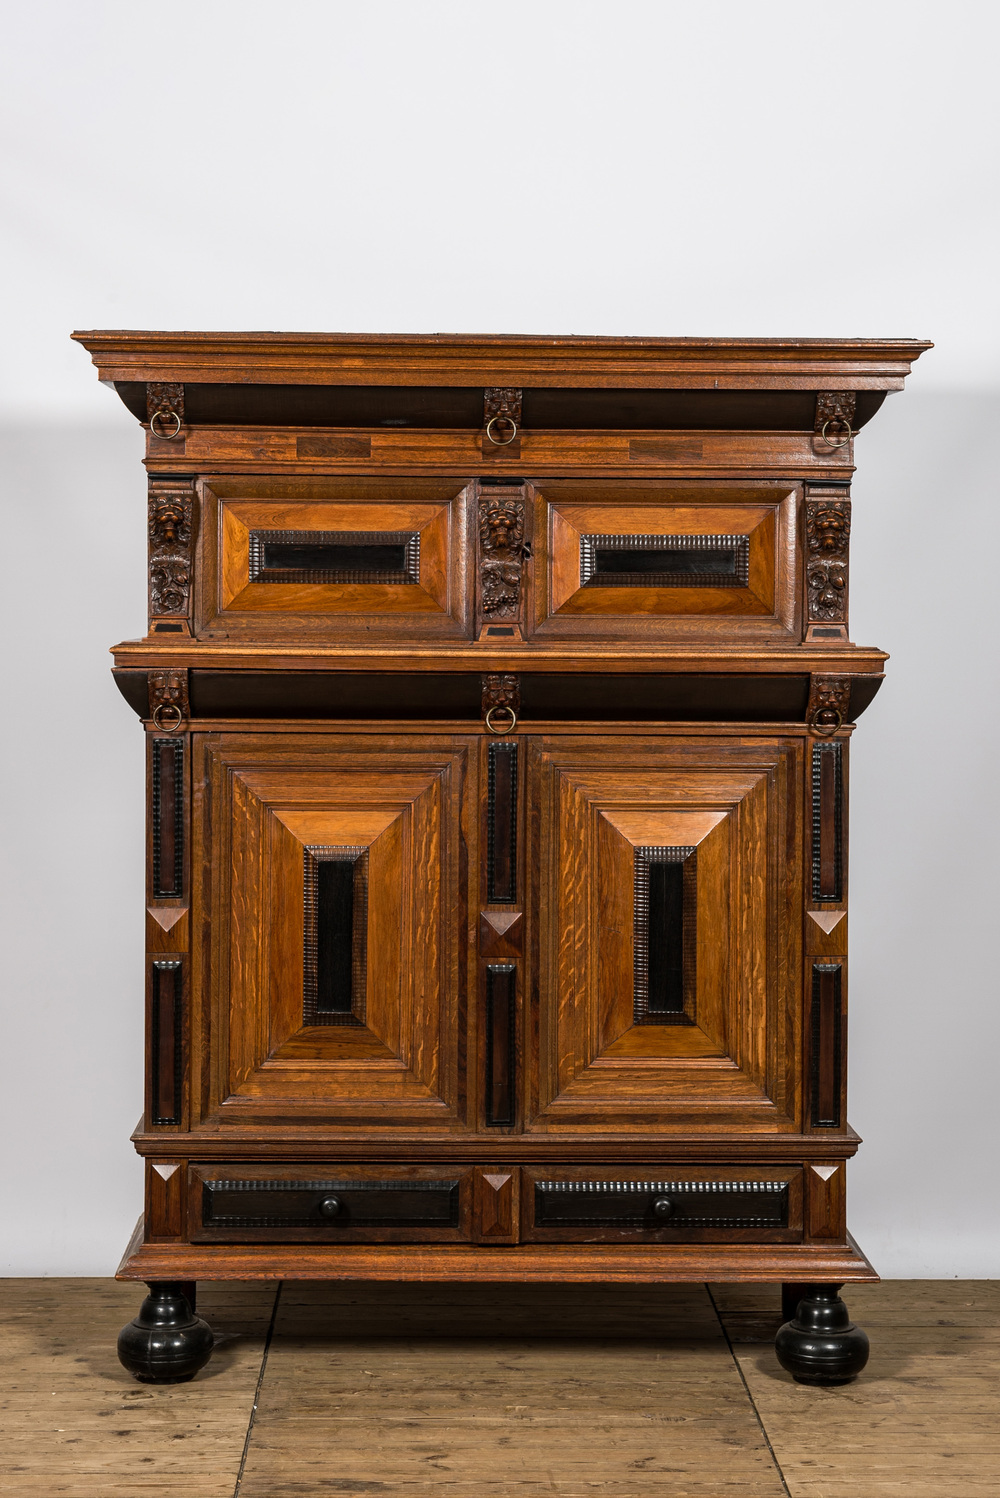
pixel 828 530
pixel 829 703
pixel 171 529
pixel 501 551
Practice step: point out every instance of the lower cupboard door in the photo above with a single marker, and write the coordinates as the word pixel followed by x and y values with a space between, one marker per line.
pixel 318 1203
pixel 337 927
pixel 753 1204
pixel 668 881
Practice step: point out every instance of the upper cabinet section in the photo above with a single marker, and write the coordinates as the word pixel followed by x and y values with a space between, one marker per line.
pixel 574 493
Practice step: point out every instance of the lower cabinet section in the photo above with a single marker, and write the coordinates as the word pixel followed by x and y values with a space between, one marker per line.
pixel 331 1203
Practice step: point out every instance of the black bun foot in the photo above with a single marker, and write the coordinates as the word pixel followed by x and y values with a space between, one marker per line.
pixel 821 1344
pixel 165 1344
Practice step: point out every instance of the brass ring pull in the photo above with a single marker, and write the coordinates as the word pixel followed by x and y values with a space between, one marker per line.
pixel 169 707
pixel 165 436
pixel 502 441
pixel 500 707
pixel 837 421
pixel 826 730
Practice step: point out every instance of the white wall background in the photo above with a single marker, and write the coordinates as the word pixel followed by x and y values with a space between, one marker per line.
pixel 559 166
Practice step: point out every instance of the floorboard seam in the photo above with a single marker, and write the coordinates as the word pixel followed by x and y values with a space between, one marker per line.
pixel 256 1392
pixel 753 1405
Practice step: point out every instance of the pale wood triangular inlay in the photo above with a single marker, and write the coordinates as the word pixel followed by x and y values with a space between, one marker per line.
pixel 826 1171
pixel 166 1168
pixel 497 1181
pixel 167 916
pixel 501 920
pixel 827 919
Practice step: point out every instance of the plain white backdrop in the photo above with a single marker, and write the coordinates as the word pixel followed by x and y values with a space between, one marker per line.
pixel 556 167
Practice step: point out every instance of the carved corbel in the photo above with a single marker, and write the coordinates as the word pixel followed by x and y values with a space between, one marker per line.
pixel 171 526
pixel 501 422
pixel 501 701
pixel 169 708
pixel 165 410
pixel 829 704
pixel 834 421
pixel 828 533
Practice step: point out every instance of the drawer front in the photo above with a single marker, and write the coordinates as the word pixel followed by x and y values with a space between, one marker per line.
pixel 653 562
pixel 578 1205
pixel 338 557
pixel 330 1204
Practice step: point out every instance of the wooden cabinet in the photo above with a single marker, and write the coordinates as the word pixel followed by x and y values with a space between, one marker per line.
pixel 498 696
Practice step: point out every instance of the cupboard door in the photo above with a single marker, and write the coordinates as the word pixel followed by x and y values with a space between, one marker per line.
pixel 336 558
pixel 668 937
pixel 338 929
pixel 649 561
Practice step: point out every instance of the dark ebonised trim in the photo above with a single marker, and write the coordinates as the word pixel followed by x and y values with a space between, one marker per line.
pixel 684 561
pixel 387 557
pixel 501 1013
pixel 168 818
pixel 501 824
pixel 826 1027
pixel 664 990
pixel 245 1205
pixel 166 1041
pixel 827 822
pixel 688 1204
pixel 327 997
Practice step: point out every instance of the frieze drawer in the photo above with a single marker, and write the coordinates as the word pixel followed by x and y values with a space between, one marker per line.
pixel 330 1204
pixel 665 1205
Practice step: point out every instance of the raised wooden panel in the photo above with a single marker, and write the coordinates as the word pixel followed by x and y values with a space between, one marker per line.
pixel 649 561
pixel 344 557
pixel 398 1060
pixel 731 1065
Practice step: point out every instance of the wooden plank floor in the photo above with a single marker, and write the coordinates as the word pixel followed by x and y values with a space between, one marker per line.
pixel 506 1392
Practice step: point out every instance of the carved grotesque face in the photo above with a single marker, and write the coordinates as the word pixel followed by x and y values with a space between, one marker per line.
pixel 168 522
pixel 829 529
pixel 501 525
pixel 166 686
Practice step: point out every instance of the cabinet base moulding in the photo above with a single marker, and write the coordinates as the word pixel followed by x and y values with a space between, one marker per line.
pixel 485 1264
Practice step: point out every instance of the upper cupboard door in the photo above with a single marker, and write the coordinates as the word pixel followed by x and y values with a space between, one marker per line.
pixel 648 561
pixel 338 557
pixel 337 928
pixel 668 891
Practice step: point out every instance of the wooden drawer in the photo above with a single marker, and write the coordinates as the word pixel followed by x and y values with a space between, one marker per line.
pixel 340 556
pixel 663 1204
pixel 650 561
pixel 329 1203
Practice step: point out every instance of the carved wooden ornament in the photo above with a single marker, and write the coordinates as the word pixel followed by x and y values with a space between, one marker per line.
pixel 829 703
pixel 171 523
pixel 501 555
pixel 828 531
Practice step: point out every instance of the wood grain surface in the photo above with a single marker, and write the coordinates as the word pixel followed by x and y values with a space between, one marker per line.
pixel 505 1390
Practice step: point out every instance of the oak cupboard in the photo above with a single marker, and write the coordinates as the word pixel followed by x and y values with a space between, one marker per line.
pixel 497 696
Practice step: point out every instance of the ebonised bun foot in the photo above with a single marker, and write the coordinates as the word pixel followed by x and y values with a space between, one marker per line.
pixel 166 1343
pixel 821 1344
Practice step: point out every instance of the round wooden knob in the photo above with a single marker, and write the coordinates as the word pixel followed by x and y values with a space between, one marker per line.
pixel 330 1206
pixel 663 1208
